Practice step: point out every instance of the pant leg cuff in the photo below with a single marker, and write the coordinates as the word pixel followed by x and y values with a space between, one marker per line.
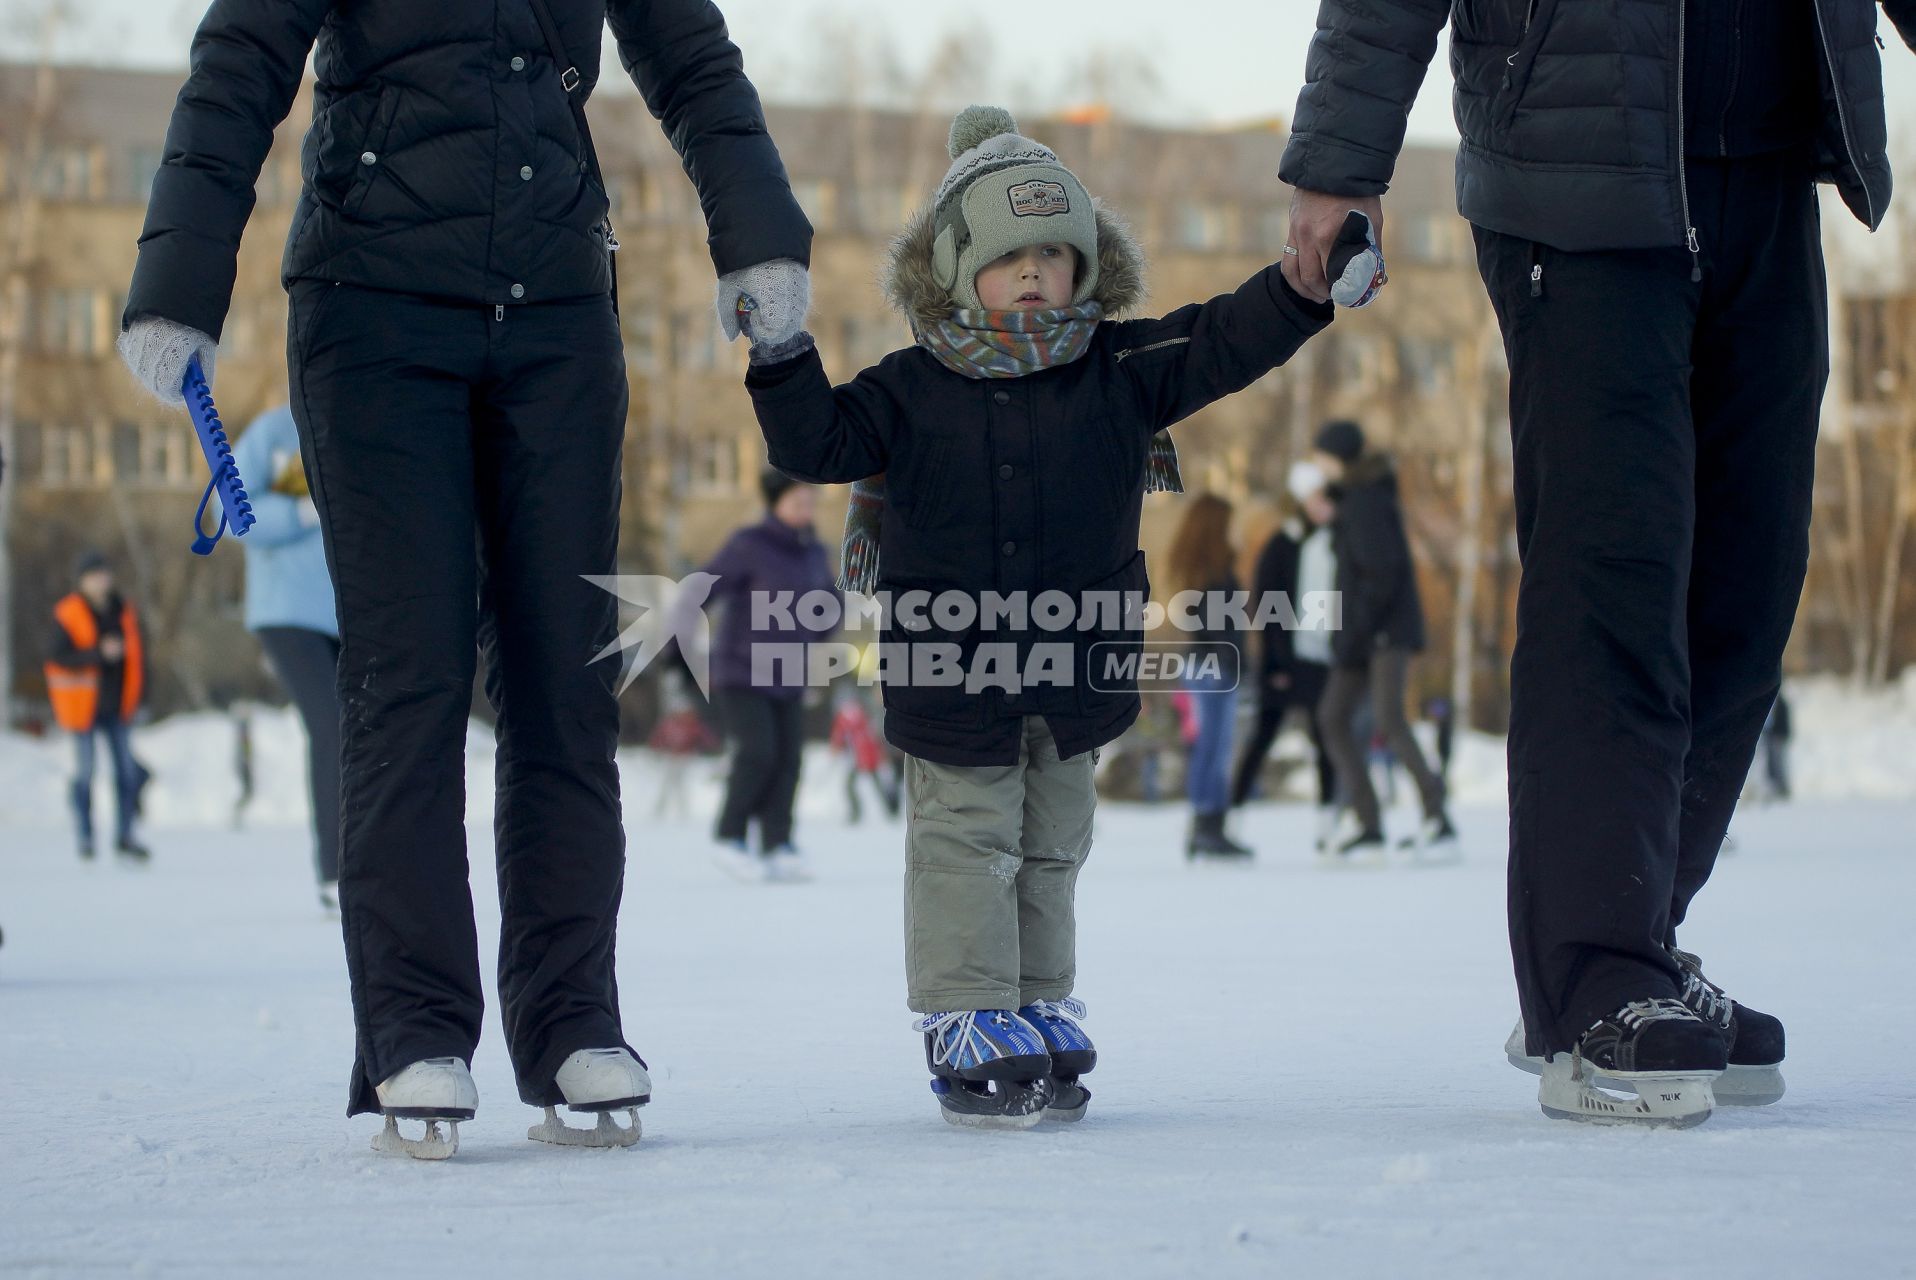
pixel 951 999
pixel 1045 991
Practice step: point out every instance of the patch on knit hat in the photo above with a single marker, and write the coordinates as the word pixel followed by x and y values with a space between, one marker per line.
pixel 1039 199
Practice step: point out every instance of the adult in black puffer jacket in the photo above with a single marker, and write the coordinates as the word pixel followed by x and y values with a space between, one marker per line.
pixel 456 366
pixel 1383 629
pixel 1640 176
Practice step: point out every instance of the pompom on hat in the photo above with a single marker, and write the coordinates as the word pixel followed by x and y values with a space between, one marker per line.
pixel 1003 193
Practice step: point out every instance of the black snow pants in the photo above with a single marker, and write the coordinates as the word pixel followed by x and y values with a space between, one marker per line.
pixel 307 665
pixel 1304 690
pixel 465 462
pixel 768 744
pixel 1664 438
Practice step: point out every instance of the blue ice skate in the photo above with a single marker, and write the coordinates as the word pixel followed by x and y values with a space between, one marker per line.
pixel 989 1067
pixel 1072 1054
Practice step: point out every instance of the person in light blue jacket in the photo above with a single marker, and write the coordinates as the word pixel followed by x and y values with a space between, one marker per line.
pixel 289 606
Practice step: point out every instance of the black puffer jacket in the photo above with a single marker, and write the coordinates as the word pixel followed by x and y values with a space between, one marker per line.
pixel 443 158
pixel 1375 574
pixel 1024 485
pixel 1570 110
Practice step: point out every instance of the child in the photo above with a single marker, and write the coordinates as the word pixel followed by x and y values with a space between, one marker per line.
pixel 1016 440
pixel 852 736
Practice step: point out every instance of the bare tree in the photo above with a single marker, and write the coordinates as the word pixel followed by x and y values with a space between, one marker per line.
pixel 19 254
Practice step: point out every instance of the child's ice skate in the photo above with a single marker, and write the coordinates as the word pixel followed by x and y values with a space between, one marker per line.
pixel 1072 1055
pixel 989 1068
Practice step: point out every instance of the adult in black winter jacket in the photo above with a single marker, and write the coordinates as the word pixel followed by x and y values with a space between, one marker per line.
pixel 1383 629
pixel 456 367
pixel 1639 177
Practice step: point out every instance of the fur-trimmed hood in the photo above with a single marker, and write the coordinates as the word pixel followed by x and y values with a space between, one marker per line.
pixel 910 286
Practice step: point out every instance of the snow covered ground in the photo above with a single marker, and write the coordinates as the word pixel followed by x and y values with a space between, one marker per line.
pixel 1302 1069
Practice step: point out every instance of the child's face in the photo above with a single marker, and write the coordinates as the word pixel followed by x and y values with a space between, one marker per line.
pixel 1039 278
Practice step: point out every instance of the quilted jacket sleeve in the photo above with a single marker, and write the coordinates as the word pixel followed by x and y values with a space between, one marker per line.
pixel 693 79
pixel 1365 66
pixel 247 60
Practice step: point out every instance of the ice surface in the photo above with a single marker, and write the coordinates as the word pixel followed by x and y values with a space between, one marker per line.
pixel 1301 1073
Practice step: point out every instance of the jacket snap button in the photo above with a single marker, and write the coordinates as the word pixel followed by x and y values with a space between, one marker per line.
pixel 1004 472
pixel 518 64
pixel 518 291
pixel 525 173
pixel 1002 397
pixel 367 157
pixel 1011 548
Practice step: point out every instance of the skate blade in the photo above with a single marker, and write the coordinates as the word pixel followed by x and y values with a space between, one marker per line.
pixel 1749 1087
pixel 433 1146
pixel 606 1134
pixel 1650 1099
pixel 1069 1105
pixel 971 1120
pixel 1515 1055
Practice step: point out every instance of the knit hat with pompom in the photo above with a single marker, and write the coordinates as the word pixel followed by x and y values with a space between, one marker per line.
pixel 1003 193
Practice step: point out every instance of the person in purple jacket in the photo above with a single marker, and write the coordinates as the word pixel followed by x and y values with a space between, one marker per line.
pixel 763 709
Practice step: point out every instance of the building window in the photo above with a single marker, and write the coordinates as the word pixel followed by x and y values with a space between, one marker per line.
pixel 714 466
pixel 70 322
pixel 1426 364
pixel 1432 240
pixel 70 457
pixel 66 172
pixel 818 197
pixel 1200 227
pixel 641 339
pixel 135 179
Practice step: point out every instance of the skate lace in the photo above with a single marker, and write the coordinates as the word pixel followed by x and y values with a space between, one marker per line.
pixel 1639 1012
pixel 1069 1007
pixel 956 1035
pixel 1705 997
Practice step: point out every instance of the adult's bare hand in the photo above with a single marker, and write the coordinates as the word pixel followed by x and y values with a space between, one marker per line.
pixel 1316 218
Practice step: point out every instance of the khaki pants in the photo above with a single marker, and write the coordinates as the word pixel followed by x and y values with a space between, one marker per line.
pixel 992 860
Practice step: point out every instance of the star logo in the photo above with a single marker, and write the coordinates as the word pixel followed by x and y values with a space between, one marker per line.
pixel 669 609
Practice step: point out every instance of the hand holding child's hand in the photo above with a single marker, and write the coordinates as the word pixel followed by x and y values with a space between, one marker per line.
pixel 1316 221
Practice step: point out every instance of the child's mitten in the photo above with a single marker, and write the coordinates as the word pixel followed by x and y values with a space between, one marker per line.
pixel 777 295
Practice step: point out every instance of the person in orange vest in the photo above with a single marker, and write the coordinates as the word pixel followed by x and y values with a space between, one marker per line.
pixel 95 676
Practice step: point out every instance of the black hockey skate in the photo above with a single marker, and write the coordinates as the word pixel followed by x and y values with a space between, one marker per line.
pixel 1753 1041
pixel 989 1068
pixel 1652 1062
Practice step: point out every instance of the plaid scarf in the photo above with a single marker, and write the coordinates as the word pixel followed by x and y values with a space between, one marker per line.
pixel 983 345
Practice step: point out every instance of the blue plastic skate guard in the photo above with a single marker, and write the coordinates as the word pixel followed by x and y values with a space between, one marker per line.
pixel 236 510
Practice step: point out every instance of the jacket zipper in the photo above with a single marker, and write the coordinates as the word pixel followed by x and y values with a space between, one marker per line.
pixel 1510 63
pixel 1155 346
pixel 1842 116
pixel 1683 175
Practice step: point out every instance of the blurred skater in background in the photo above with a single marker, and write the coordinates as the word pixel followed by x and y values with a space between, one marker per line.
pixel 289 606
pixel 96 673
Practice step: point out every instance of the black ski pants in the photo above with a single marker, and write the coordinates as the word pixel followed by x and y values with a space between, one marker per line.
pixel 1305 688
pixel 1664 437
pixel 307 665
pixel 465 462
pixel 768 743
